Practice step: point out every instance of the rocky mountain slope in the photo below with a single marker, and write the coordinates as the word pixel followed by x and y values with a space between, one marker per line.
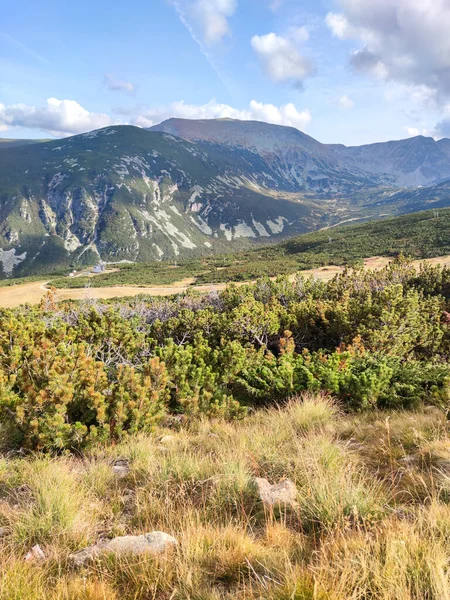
pixel 283 158
pixel 413 162
pixel 189 187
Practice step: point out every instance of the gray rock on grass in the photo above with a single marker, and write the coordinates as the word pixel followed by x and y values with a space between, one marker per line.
pixel 156 542
pixel 121 468
pixel 279 494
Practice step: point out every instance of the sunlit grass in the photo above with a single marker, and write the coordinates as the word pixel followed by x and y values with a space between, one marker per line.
pixel 367 523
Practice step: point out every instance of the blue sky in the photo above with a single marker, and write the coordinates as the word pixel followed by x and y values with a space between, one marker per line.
pixel 344 71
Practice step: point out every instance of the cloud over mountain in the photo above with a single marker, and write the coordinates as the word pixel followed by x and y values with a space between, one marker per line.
pixel 406 41
pixel 281 58
pixel 287 114
pixel 58 117
pixel 65 117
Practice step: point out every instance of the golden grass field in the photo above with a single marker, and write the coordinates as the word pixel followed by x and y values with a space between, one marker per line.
pixel 371 520
pixel 32 293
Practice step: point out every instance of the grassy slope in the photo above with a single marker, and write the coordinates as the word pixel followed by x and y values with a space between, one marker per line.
pixel 372 519
pixel 420 235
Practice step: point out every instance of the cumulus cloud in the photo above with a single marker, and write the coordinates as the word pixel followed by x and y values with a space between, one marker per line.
pixel 406 41
pixel 281 58
pixel 213 15
pixel 116 85
pixel 345 103
pixel 287 114
pixel 210 15
pixel 411 131
pixel 66 117
pixel 58 117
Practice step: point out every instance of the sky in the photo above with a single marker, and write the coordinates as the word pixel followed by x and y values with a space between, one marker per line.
pixel 343 71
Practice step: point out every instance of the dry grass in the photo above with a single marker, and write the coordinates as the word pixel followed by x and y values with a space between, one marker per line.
pixel 34 292
pixel 373 516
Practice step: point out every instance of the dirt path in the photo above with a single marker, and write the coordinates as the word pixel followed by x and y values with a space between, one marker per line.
pixel 33 293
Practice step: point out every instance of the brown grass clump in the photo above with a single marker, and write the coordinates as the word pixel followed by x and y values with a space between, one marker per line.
pixel 372 519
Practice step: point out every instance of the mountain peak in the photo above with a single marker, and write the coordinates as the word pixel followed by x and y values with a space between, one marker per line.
pixel 243 134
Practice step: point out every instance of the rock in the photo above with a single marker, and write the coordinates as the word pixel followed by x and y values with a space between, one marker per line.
pixel 121 468
pixel 280 494
pixel 156 542
pixel 3 532
pixel 167 440
pixel 35 554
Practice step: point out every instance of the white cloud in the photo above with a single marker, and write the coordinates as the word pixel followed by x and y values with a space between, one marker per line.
pixel 275 5
pixel 210 15
pixel 213 17
pixel 281 58
pixel 58 117
pixel 345 103
pixel 411 131
pixel 339 25
pixel 419 94
pixel 406 41
pixel 116 85
pixel 286 114
pixel 66 117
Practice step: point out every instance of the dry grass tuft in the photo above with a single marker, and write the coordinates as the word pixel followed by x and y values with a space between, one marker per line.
pixel 372 520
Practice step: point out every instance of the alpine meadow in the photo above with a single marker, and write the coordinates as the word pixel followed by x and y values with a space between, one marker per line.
pixel 225 300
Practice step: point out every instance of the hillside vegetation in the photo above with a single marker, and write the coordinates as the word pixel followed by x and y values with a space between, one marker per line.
pixel 181 415
pixel 186 188
pixel 77 373
pixel 420 235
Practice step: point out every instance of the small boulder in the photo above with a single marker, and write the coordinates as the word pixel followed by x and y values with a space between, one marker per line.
pixel 279 494
pixel 35 554
pixel 167 440
pixel 121 468
pixel 156 542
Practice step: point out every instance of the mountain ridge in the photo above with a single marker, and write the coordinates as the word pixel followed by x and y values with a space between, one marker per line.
pixel 188 187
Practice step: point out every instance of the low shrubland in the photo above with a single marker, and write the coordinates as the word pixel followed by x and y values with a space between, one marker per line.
pixel 76 374
pixel 127 417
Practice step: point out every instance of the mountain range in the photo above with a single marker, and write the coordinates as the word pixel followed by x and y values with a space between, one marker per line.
pixel 187 187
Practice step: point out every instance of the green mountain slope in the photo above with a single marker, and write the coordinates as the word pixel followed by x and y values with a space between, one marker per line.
pixel 188 188
pixel 419 235
pixel 125 193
